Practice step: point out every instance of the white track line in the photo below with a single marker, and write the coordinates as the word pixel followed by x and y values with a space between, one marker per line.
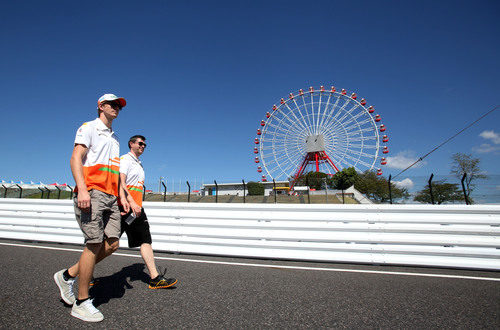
pixel 274 266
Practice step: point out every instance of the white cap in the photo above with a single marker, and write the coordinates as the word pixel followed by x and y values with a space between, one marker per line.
pixel 112 97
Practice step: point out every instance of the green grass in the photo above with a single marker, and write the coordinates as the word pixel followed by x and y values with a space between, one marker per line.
pixel 280 199
pixel 53 195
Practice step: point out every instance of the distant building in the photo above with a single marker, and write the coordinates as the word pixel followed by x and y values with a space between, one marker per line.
pixel 237 188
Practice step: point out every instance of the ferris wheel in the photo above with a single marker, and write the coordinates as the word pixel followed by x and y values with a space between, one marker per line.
pixel 321 130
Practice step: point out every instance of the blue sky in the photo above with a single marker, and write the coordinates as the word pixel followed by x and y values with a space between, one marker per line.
pixel 199 76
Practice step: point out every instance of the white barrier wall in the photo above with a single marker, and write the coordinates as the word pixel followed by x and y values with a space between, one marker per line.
pixel 431 235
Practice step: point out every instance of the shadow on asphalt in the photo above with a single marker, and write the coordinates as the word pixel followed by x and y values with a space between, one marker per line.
pixel 114 286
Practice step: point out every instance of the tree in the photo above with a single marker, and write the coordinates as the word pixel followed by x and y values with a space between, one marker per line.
pixel 255 188
pixel 376 187
pixel 345 178
pixel 315 180
pixel 442 192
pixel 465 163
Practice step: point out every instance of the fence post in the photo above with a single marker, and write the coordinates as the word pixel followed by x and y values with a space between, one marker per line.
pixel 307 184
pixel 48 192
pixel 216 191
pixel 390 190
pixel 58 192
pixel 189 191
pixel 244 190
pixel 430 188
pixel 20 191
pixel 463 189
pixel 164 191
pixel 4 191
pixel 41 191
pixel 326 190
pixel 159 184
pixel 70 188
pixel 274 191
pixel 341 182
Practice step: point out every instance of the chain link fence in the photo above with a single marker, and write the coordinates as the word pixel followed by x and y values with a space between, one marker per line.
pixel 316 191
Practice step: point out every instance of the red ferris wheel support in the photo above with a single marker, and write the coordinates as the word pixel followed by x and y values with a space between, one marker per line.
pixel 316 156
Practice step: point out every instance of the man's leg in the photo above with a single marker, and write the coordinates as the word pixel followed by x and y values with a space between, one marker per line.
pixel 157 281
pixel 90 226
pixel 83 308
pixel 111 218
pixel 149 259
pixel 138 234
pixel 109 247
pixel 86 268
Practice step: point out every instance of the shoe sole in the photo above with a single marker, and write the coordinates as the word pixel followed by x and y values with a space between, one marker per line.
pixel 61 291
pixel 163 286
pixel 83 318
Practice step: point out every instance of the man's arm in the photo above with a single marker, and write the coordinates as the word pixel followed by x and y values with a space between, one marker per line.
pixel 122 193
pixel 133 205
pixel 76 163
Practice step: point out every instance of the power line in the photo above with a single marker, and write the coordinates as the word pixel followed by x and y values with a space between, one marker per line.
pixel 439 146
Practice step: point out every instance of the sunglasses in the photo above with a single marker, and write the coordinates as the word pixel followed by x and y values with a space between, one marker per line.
pixel 115 105
pixel 142 144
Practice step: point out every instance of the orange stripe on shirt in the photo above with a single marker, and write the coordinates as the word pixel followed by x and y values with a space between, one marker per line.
pixel 102 177
pixel 136 192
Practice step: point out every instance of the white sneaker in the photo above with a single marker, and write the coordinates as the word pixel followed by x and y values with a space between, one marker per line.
pixel 87 312
pixel 65 287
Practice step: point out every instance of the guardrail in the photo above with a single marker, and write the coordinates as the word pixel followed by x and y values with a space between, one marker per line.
pixel 425 235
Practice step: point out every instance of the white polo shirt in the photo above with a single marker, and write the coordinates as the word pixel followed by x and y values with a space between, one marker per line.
pixel 101 165
pixel 132 168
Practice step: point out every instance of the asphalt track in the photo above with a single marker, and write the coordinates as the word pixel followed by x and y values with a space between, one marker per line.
pixel 228 293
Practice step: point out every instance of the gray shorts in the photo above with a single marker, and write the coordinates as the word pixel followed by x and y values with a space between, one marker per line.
pixel 103 220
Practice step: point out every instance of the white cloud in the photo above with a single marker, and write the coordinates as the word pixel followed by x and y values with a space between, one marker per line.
pixel 406 183
pixel 486 148
pixel 491 135
pixel 402 160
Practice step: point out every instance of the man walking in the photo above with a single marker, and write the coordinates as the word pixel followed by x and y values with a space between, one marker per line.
pixel 95 166
pixel 135 223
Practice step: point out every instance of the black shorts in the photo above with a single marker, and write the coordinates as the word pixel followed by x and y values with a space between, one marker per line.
pixel 138 231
